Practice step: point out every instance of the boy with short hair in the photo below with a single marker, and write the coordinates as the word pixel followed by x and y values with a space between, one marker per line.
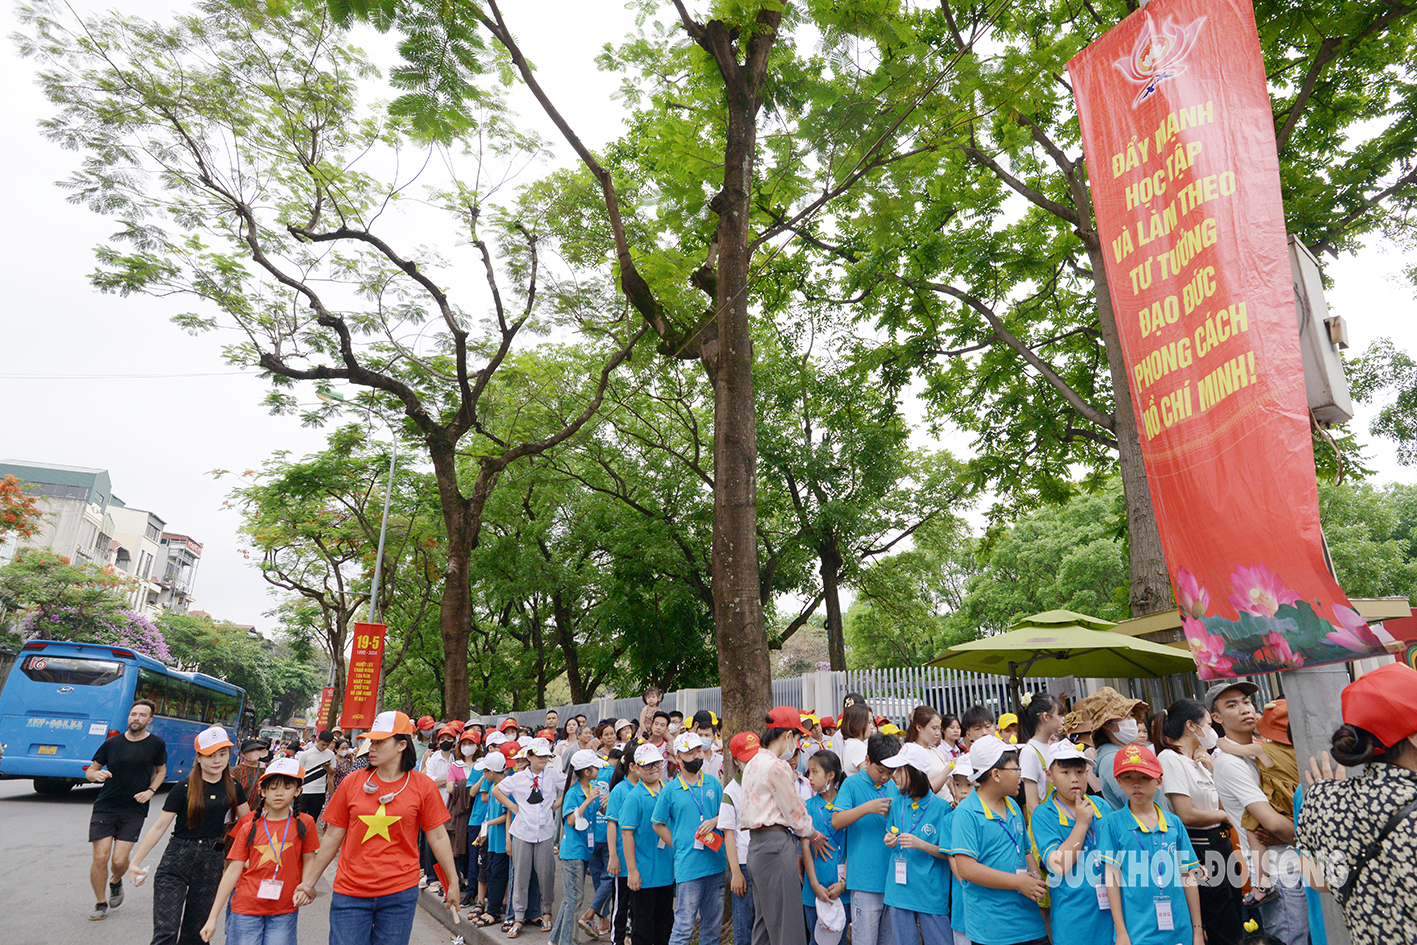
pixel 685 816
pixel 976 722
pixel 862 805
pixel 1151 866
pixel 991 853
pixel 1065 830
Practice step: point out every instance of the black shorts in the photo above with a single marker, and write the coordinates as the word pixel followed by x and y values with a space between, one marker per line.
pixel 125 826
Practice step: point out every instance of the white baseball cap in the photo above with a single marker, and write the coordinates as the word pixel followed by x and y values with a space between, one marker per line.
pixel 960 766
pixel 648 754
pixel 1064 750
pixel 286 766
pixel 540 747
pixel 495 738
pixel 585 758
pixel 986 752
pixel 687 741
pixel 622 723
pixel 831 921
pixel 910 753
pixel 494 762
pixel 212 739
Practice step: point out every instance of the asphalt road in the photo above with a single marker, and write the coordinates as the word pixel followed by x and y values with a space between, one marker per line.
pixel 45 897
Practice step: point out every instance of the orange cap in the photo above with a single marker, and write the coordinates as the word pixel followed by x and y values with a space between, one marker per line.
pixel 388 724
pixel 1274 723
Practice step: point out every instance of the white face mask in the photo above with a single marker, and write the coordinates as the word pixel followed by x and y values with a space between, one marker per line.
pixel 1127 731
pixel 1208 738
pixel 673 728
pixel 467 750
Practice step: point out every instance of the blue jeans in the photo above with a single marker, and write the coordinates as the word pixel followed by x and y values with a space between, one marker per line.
pixel 601 881
pixel 564 929
pixel 373 920
pixel 260 929
pixel 912 928
pixel 702 897
pixel 868 919
pixel 743 911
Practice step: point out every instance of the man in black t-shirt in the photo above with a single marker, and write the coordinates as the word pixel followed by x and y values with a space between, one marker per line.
pixel 130 767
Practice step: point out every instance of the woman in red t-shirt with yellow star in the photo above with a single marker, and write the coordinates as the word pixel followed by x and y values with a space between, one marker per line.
pixel 374 819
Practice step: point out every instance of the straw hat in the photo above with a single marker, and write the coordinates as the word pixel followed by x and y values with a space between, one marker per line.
pixel 1103 706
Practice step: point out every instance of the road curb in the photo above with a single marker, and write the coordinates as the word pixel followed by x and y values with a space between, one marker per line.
pixel 472 934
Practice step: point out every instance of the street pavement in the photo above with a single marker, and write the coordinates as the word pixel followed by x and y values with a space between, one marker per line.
pixel 45 897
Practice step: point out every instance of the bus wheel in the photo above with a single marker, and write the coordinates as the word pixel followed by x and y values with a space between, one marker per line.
pixel 52 785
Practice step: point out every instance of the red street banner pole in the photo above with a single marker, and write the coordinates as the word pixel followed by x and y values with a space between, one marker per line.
pixel 1178 134
pixel 361 692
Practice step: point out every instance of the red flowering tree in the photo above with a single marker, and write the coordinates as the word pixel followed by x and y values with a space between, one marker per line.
pixel 20 514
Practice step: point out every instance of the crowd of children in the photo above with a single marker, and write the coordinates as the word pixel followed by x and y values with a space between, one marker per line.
pixel 953 831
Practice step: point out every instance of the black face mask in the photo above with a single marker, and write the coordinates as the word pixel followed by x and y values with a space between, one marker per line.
pixel 535 797
pixel 693 766
pixel 445 746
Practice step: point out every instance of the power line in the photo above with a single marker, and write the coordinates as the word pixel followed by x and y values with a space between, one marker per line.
pixel 114 377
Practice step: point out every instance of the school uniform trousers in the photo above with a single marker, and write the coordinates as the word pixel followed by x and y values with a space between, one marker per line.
pixel 184 888
pixel 652 915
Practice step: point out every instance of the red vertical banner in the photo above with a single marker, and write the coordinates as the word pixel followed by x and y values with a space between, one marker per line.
pixel 361 690
pixel 327 697
pixel 1179 139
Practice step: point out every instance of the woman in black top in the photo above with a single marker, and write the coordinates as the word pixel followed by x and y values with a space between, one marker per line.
pixel 208 803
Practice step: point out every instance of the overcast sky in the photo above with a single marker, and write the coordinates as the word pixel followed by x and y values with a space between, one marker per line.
pixel 95 380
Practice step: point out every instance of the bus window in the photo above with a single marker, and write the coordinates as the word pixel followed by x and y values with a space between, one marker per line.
pixel 71 671
pixel 149 686
pixel 225 708
pixel 174 698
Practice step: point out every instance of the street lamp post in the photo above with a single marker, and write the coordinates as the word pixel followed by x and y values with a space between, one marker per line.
pixel 330 396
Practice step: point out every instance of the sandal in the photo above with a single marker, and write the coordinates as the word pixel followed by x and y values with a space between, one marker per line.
pixel 546 922
pixel 506 926
pixel 515 930
pixel 483 919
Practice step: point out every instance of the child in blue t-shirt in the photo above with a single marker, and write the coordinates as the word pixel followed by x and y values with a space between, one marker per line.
pixel 917 892
pixel 494 837
pixel 991 852
pixel 823 877
pixel 862 804
pixel 579 809
pixel 1065 830
pixel 1152 871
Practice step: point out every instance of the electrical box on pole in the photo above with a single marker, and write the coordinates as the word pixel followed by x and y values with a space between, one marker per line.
pixel 1321 336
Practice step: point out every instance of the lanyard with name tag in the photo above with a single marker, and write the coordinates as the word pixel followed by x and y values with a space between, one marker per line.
pixel 270 888
pixel 1165 922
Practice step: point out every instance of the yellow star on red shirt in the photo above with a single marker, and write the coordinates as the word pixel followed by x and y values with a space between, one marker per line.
pixel 270 852
pixel 377 825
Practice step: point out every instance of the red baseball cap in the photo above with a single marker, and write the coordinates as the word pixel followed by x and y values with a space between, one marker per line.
pixel 509 750
pixel 471 736
pixel 1136 758
pixel 508 723
pixel 546 733
pixel 744 746
pixel 829 721
pixel 426 723
pixel 785 716
pixel 1381 702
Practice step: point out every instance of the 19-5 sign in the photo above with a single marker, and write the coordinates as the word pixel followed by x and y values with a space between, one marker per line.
pixel 361 692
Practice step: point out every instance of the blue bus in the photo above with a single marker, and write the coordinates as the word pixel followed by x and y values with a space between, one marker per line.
pixel 63 699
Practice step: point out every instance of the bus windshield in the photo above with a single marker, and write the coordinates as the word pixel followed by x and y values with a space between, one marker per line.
pixel 72 671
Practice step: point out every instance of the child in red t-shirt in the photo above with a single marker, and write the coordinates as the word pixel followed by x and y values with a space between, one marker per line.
pixel 269 851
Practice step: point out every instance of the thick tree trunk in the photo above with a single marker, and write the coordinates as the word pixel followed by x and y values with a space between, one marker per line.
pixel 566 640
pixel 830 556
pixel 1150 579
pixel 455 608
pixel 744 672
